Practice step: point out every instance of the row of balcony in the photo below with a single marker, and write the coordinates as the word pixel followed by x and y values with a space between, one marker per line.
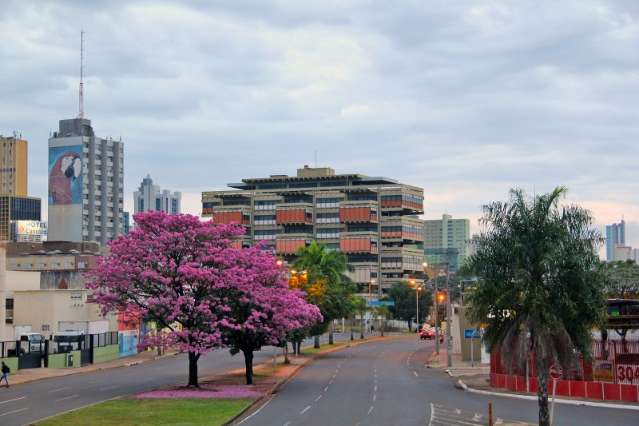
pixel 351 243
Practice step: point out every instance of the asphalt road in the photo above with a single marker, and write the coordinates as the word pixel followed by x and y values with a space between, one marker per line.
pixel 25 403
pixel 387 383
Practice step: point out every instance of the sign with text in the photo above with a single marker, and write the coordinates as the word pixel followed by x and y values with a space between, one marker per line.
pixel 603 371
pixel 470 333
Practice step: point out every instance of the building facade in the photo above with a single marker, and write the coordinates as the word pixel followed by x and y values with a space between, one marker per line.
pixel 85 184
pixel 372 220
pixel 126 223
pixel 447 241
pixel 150 197
pixel 14 160
pixel 615 236
pixel 16 209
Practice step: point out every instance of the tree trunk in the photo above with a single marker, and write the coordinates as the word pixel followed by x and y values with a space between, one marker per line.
pixel 193 358
pixel 248 365
pixel 330 335
pixel 542 393
pixel 352 325
pixel 298 347
pixel 286 360
pixel 316 342
pixel 361 327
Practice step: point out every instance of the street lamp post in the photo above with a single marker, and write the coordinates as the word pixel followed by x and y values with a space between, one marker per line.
pixel 449 318
pixel 436 315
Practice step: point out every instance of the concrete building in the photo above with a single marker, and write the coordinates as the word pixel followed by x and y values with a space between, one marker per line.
pixel 126 223
pixel 447 240
pixel 44 287
pixel 85 184
pixel 372 220
pixel 615 235
pixel 14 155
pixel 151 197
pixel 14 209
pixel 622 253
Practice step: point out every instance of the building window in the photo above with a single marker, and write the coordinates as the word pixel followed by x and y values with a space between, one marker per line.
pixel 8 304
pixel 45 327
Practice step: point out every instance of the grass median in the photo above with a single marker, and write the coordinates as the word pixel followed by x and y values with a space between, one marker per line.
pixel 143 412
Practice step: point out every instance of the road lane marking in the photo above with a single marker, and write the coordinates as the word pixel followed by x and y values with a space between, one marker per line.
pixel 415 373
pixel 308 407
pixel 287 423
pixel 258 410
pixel 59 389
pixel 369 410
pixel 375 388
pixel 67 397
pixel 11 400
pixel 432 414
pixel 14 412
pixel 374 397
pixel 326 388
pixel 318 398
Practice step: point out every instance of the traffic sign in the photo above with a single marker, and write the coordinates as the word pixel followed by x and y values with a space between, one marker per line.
pixel 376 303
pixel 471 333
pixel 556 372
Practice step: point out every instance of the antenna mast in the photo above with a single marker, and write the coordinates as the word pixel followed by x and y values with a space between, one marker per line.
pixel 81 93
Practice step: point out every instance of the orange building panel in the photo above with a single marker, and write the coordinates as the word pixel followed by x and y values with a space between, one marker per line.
pixel 357 245
pixel 289 246
pixel 227 217
pixel 290 216
pixel 356 214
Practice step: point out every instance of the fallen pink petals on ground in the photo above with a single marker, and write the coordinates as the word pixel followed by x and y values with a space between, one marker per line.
pixel 206 392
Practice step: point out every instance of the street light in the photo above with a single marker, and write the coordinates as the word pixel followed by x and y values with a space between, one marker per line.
pixel 418 288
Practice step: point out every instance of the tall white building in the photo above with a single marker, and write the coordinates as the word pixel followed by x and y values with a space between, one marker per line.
pixel 85 184
pixel 151 197
pixel 447 241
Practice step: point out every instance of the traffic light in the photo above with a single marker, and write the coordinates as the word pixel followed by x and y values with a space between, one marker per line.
pixel 441 296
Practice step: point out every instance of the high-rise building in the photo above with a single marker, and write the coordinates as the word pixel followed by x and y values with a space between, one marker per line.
pixel 13 209
pixel 85 184
pixel 372 220
pixel 126 223
pixel 446 241
pixel 150 197
pixel 615 235
pixel 14 155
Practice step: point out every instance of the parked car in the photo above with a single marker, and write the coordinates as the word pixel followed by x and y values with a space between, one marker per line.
pixel 34 342
pixel 427 333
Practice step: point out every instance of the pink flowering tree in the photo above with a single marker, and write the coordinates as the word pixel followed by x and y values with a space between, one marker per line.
pixel 261 307
pixel 170 269
pixel 187 276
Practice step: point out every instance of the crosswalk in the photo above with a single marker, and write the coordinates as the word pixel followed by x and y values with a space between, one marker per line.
pixel 441 415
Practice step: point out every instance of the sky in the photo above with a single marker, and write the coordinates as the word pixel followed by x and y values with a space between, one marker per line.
pixel 465 99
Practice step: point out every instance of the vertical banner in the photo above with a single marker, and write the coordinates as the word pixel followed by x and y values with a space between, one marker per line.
pixel 65 175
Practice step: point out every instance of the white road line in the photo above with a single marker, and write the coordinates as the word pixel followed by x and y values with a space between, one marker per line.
pixel 59 389
pixel 67 397
pixel 318 398
pixel 13 412
pixel 432 414
pixel 369 410
pixel 326 388
pixel 258 410
pixel 374 397
pixel 308 407
pixel 415 373
pixel 375 388
pixel 11 400
pixel 287 423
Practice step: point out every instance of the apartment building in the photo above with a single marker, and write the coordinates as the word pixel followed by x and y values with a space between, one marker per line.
pixel 14 160
pixel 447 241
pixel 372 220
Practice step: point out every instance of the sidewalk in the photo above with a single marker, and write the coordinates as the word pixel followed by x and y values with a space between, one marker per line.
pixel 459 368
pixel 33 374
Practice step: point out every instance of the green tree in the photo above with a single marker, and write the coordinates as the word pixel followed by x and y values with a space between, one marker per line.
pixel 382 312
pixel 621 281
pixel 539 284
pixel 359 306
pixel 403 294
pixel 328 285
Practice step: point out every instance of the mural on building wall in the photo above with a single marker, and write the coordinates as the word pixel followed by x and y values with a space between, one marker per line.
pixel 61 280
pixel 65 175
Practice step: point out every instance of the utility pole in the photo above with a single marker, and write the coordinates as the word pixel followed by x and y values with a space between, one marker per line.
pixel 449 317
pixel 436 315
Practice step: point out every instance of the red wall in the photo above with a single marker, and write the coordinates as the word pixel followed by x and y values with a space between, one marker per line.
pixel 290 216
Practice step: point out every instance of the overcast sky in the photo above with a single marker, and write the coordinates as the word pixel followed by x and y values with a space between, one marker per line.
pixel 466 99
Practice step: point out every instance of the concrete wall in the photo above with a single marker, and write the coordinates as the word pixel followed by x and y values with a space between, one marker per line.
pixel 105 353
pixel 48 307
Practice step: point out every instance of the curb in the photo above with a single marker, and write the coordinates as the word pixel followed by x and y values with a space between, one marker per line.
pixel 263 400
pixel 461 385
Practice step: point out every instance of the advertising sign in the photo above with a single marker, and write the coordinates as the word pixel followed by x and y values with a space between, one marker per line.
pixel 603 371
pixel 65 175
pixel 627 368
pixel 471 333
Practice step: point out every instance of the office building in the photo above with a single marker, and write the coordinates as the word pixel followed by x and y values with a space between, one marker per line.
pixel 447 241
pixel 372 220
pixel 622 253
pixel 615 235
pixel 150 197
pixel 126 223
pixel 85 184
pixel 13 166
pixel 14 209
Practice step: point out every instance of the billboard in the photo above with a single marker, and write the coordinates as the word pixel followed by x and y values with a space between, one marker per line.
pixel 65 175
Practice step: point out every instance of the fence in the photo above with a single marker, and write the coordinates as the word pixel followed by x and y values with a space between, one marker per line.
pixel 612 374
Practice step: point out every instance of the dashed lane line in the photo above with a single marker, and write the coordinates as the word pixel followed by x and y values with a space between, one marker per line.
pixel 326 389
pixel 12 400
pixel 59 389
pixel 14 411
pixel 318 398
pixel 308 407
pixel 370 410
pixel 415 373
pixel 67 397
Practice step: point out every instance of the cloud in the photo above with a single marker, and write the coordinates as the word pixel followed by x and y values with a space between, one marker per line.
pixel 466 100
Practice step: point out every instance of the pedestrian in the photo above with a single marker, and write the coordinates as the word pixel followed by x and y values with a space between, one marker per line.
pixel 5 373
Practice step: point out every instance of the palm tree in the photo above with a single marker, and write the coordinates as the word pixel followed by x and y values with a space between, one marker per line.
pixel 539 286
pixel 359 306
pixel 328 269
